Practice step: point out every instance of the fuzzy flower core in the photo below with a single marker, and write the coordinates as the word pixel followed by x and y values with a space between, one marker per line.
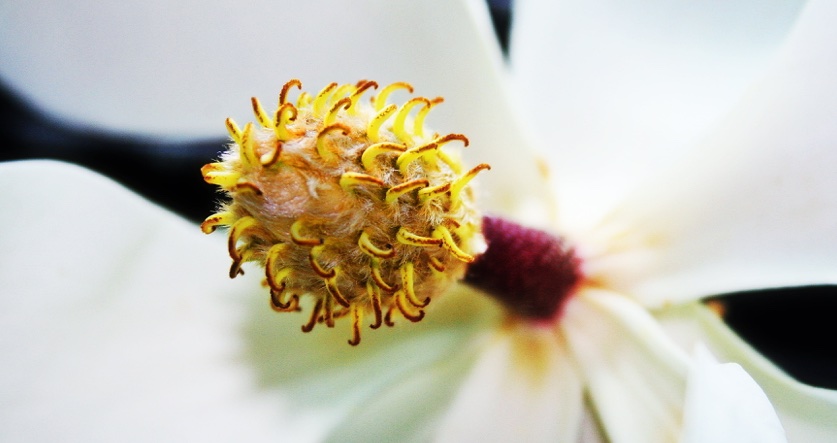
pixel 352 202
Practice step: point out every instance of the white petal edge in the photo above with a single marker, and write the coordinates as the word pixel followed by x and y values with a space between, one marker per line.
pixel 754 207
pixel 153 68
pixel 807 413
pixel 616 90
pixel 113 309
pixel 634 374
pixel 524 387
pixel 724 404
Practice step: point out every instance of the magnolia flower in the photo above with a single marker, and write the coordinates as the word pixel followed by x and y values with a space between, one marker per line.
pixel 121 322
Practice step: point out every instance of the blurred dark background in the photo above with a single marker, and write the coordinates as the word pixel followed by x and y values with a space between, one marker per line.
pixel 791 326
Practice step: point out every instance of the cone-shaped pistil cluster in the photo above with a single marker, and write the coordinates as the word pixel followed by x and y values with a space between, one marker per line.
pixel 349 200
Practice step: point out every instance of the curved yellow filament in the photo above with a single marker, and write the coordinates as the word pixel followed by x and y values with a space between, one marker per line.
pixel 284 116
pixel 313 255
pixel 261 115
pixel 397 191
pixel 401 117
pixel 374 295
pixel 350 180
pixel 365 244
pixel 407 285
pixel 442 233
pixel 224 179
pixel 402 303
pixel 344 103
pixel 408 238
pixel 283 96
pixel 362 87
pixel 219 219
pixel 373 151
pixel 418 122
pixel 322 98
pixel 233 129
pixel 236 232
pixel 322 149
pixel 381 98
pixel 301 240
pixel 378 278
pixel 413 154
pixel 248 146
pixel 315 314
pixel 334 290
pixel 374 127
pixel 357 319
pixel 458 184
pixel 433 191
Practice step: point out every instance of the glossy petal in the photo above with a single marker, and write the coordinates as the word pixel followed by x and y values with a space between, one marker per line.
pixel 755 206
pixel 179 70
pixel 635 376
pixel 113 309
pixel 806 413
pixel 523 388
pixel 724 404
pixel 617 89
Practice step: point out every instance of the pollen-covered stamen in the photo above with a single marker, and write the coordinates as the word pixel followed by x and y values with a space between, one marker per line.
pixel 216 174
pixel 351 180
pixel 236 232
pixel 408 238
pixel 316 251
pixel 369 155
pixel 248 146
pixel 315 315
pixel 414 154
pixel 322 149
pixel 261 115
pixel 285 114
pixel 375 298
pixel 433 191
pixel 321 99
pixel 381 98
pixel 373 130
pixel 334 290
pixel 397 191
pixel 357 319
pixel 220 219
pixel 378 278
pixel 407 282
pixel 298 238
pixel 344 104
pixel 234 130
pixel 405 307
pixel 443 233
pixel 460 183
pixel 418 122
pixel 269 159
pixel 364 243
pixel 362 87
pixel 401 117
pixel 283 96
pixel 277 304
pixel 531 272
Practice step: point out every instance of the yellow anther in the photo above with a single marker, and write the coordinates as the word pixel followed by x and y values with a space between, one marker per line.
pixel 418 122
pixel 407 285
pixel 334 290
pixel 381 99
pixel 213 174
pixel 236 232
pixel 433 191
pixel 378 278
pixel 322 98
pixel 244 254
pixel 313 255
pixel 436 264
pixel 408 238
pixel 304 100
pixel 350 180
pixel 357 319
pixel 270 158
pixel 315 314
pixel 365 244
pixel 443 233
pixel 362 87
pixel 248 146
pixel 397 191
pixel 369 155
pixel 451 137
pixel 245 186
pixel 299 239
pixel 374 295
pixel 275 279
pixel 284 116
pixel 459 184
pixel 261 116
pixel 413 154
pixel 328 311
pixel 406 311
pixel 220 219
pixel 234 130
pixel 279 305
pixel 401 117
pixel 375 124
pixel 283 96
pixel 344 103
pixel 322 149
pixel 342 91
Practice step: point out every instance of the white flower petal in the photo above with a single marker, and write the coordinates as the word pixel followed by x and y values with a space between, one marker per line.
pixel 755 207
pixel 155 68
pixel 635 376
pixel 617 89
pixel 523 388
pixel 806 413
pixel 724 404
pixel 118 323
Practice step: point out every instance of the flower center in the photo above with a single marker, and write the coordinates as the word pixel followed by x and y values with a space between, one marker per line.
pixel 531 272
pixel 350 202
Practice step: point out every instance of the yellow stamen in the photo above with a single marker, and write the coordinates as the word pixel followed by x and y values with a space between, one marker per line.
pixel 433 191
pixel 357 319
pixel 322 149
pixel 334 290
pixel 397 191
pixel 236 232
pixel 398 125
pixel 344 103
pixel 350 180
pixel 283 96
pixel 374 295
pixel 321 99
pixel 418 122
pixel 284 116
pixel 447 241
pixel 261 116
pixel 378 278
pixel 315 253
pixel 407 281
pixel 315 314
pixel 408 238
pixel 219 219
pixel 381 99
pixel 414 154
pixel 248 146
pixel 301 240
pixel 357 94
pixel 406 311
pixel 374 127
pixel 373 151
pixel 365 244
pixel 459 184
pixel 234 130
